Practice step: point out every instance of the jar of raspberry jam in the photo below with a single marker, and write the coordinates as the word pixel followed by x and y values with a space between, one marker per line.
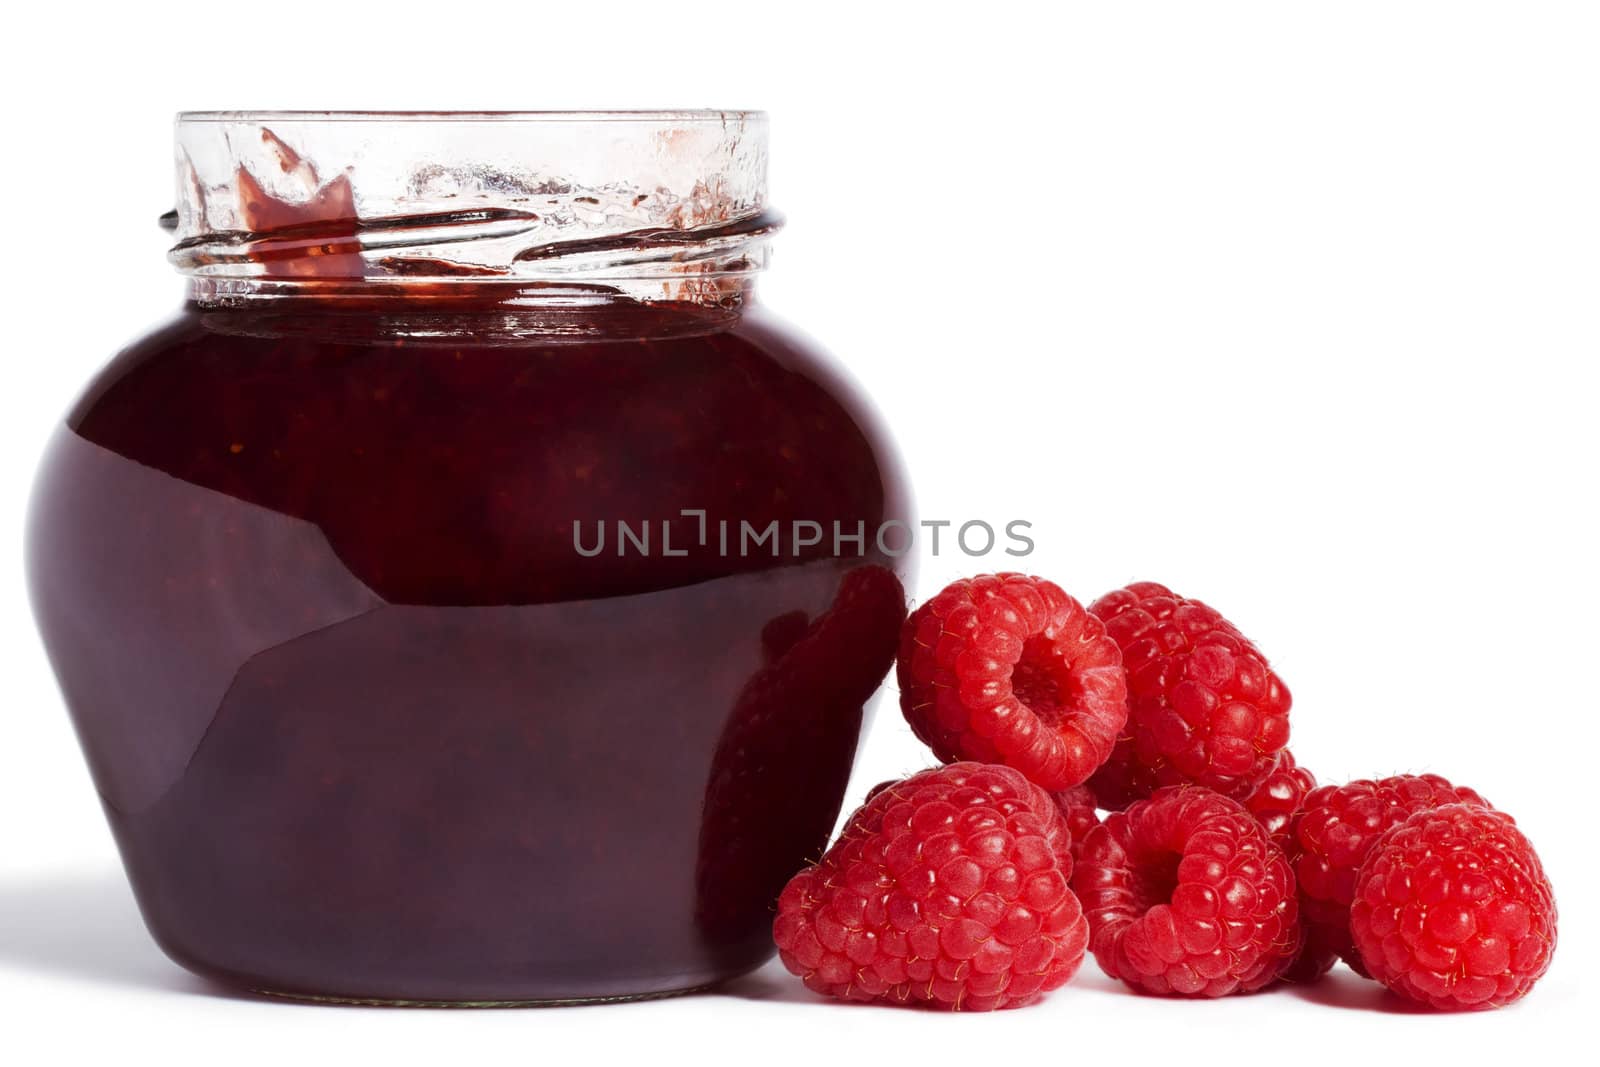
pixel 472 595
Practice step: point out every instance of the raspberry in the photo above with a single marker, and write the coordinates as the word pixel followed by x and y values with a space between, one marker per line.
pixel 1187 895
pixel 1453 909
pixel 1279 796
pixel 1331 835
pixel 1077 807
pixel 1004 668
pixel 945 889
pixel 1203 706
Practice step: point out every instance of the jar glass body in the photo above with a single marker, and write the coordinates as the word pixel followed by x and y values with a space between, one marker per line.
pixel 472 646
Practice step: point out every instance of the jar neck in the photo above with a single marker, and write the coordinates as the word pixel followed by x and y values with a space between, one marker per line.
pixel 727 292
pixel 424 314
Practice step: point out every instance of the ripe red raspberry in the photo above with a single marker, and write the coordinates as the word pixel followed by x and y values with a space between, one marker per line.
pixel 1279 796
pixel 1004 668
pixel 1330 837
pixel 1454 909
pixel 944 889
pixel 1187 895
pixel 1077 807
pixel 1203 706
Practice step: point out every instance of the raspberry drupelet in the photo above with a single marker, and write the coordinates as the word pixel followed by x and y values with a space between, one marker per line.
pixel 946 890
pixel 1006 668
pixel 1330 837
pixel 1203 705
pixel 1280 794
pixel 1186 895
pixel 1453 909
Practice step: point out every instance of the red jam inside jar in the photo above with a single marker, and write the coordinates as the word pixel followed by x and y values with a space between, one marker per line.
pixel 438 597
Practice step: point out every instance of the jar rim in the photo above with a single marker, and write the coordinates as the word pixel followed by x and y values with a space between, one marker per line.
pixel 710 116
pixel 656 201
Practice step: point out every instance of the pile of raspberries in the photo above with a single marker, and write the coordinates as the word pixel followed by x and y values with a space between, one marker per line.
pixel 1220 866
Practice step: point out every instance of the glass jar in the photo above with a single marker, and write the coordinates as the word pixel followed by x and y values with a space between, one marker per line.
pixel 472 594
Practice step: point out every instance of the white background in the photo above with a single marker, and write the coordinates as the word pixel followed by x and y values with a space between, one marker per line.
pixel 1292 307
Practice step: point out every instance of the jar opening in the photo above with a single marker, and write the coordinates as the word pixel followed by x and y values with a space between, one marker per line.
pixel 672 116
pixel 655 204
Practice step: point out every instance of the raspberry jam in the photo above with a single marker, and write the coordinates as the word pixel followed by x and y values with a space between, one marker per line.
pixel 315 564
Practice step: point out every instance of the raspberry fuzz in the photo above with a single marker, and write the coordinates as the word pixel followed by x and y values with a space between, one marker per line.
pixel 1331 835
pixel 1203 706
pixel 1186 895
pixel 946 889
pixel 1005 668
pixel 1453 909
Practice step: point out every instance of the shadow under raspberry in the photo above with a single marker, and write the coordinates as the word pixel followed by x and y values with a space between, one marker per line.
pixel 1343 988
